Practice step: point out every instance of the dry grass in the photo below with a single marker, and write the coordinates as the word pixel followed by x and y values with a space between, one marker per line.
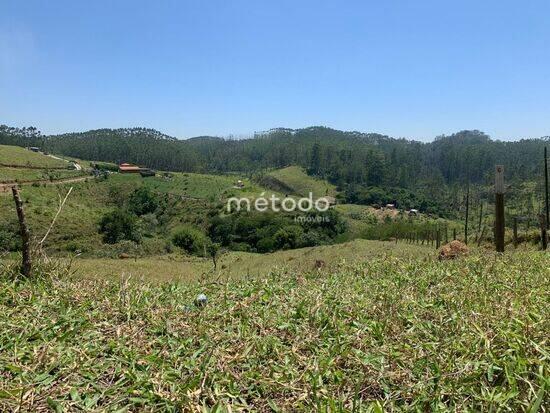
pixel 238 264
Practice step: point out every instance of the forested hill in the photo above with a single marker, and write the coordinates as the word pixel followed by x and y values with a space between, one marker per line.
pixel 342 157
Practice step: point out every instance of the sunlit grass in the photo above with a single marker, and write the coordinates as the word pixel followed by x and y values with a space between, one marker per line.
pixel 387 333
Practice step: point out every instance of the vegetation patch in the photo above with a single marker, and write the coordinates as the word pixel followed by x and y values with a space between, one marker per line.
pixel 386 334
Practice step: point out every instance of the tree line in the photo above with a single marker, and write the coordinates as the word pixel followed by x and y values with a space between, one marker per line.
pixel 354 161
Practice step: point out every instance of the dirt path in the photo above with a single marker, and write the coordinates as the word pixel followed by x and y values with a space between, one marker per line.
pixel 76 164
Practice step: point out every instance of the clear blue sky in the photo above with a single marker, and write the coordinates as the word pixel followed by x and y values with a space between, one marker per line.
pixel 404 68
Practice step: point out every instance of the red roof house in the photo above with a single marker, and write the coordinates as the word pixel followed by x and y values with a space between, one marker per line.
pixel 128 168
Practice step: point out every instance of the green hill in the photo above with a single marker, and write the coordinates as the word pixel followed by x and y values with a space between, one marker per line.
pixel 299 183
pixel 19 165
pixel 17 156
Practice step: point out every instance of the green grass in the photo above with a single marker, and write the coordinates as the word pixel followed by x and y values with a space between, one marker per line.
pixel 78 220
pixel 15 155
pixel 8 175
pixel 302 184
pixel 234 264
pixel 384 334
pixel 192 196
pixel 201 186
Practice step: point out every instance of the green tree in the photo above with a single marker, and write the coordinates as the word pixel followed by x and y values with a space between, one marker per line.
pixel 143 201
pixel 119 225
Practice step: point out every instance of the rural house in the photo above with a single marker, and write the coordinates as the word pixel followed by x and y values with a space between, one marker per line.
pixel 128 168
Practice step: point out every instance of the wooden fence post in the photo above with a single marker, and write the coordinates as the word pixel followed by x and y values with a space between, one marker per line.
pixel 499 208
pixel 515 231
pixel 26 264
pixel 543 235
pixel 480 218
pixel 467 213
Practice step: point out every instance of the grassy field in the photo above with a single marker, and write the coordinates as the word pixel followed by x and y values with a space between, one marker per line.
pixel 203 186
pixel 234 264
pixel 302 184
pixel 15 155
pixel 8 175
pixel 192 196
pixel 386 333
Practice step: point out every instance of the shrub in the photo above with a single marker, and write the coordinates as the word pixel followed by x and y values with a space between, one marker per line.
pixel 142 201
pixel 287 237
pixel 119 225
pixel 9 241
pixel 190 239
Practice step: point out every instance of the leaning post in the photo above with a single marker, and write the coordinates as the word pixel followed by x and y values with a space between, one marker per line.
pixel 26 264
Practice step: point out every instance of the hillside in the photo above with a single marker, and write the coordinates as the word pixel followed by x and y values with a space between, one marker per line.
pixel 19 165
pixel 349 157
pixel 17 156
pixel 297 182
pixel 431 177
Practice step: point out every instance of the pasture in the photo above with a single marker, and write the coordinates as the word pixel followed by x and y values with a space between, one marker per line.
pixel 15 155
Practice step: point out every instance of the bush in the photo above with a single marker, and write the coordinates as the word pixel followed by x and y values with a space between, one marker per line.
pixel 119 225
pixel 9 240
pixel 287 237
pixel 190 239
pixel 142 201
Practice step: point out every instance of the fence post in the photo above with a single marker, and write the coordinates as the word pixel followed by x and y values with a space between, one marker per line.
pixel 499 208
pixel 26 264
pixel 467 213
pixel 543 236
pixel 515 231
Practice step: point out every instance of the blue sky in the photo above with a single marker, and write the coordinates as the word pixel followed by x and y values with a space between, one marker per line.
pixel 404 68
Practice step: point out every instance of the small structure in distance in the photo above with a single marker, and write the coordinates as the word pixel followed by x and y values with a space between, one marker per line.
pixel 128 168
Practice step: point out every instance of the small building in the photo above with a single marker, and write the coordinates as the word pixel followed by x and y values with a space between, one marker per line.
pixel 239 184
pixel 390 206
pixel 128 168
pixel 412 212
pixel 34 149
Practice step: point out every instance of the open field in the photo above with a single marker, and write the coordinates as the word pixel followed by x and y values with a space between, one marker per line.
pixel 302 184
pixel 234 265
pixel 15 155
pixel 12 175
pixel 383 334
pixel 192 185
